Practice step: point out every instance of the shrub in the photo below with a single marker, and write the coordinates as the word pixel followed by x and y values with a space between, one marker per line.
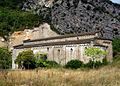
pixel 74 64
pixel 48 64
pixel 96 64
pixel 26 59
pixel 41 63
pixel 40 56
pixel 116 46
pixel 52 64
pixel 5 58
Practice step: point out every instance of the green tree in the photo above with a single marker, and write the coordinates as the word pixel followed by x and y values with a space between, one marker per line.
pixel 95 53
pixel 26 59
pixel 14 20
pixel 5 58
pixel 13 4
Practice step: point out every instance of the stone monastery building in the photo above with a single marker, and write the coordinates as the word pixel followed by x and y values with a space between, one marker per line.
pixel 60 48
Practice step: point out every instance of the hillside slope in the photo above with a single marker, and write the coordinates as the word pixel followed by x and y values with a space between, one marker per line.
pixel 64 16
pixel 78 16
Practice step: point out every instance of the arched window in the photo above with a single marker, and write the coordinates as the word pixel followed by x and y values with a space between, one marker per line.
pixel 71 51
pixel 85 47
pixel 48 49
pixel 58 52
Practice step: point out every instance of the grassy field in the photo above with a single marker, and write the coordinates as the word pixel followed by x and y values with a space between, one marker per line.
pixel 107 76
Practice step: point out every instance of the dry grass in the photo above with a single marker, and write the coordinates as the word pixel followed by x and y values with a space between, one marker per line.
pixel 106 76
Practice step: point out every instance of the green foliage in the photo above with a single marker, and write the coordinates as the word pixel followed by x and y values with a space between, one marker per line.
pixel 74 64
pixel 41 63
pixel 95 53
pixel 40 56
pixel 5 58
pixel 96 64
pixel 13 20
pixel 116 52
pixel 48 64
pixel 13 4
pixel 52 64
pixel 116 46
pixel 26 59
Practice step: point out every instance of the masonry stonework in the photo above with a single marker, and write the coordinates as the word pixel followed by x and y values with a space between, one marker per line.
pixel 61 48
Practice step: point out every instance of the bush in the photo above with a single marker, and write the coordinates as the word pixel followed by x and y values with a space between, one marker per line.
pixel 96 64
pixel 116 46
pixel 5 58
pixel 52 64
pixel 74 64
pixel 48 64
pixel 40 56
pixel 26 59
pixel 41 63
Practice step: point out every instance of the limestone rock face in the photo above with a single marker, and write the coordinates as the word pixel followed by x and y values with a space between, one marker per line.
pixel 40 7
pixel 78 16
pixel 43 31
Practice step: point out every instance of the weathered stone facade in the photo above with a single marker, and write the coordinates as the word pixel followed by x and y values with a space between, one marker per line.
pixel 63 48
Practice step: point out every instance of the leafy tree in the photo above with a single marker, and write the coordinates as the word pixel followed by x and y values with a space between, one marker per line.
pixel 13 4
pixel 26 59
pixel 13 20
pixel 41 61
pixel 95 53
pixel 5 58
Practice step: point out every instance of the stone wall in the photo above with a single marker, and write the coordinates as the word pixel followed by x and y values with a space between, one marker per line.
pixel 109 49
pixel 64 53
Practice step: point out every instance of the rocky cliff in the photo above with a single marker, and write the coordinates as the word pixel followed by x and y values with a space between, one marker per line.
pixel 78 16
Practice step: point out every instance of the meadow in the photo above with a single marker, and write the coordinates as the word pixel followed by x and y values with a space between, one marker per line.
pixel 106 76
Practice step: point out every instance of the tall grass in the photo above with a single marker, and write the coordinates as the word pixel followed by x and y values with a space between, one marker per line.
pixel 107 76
